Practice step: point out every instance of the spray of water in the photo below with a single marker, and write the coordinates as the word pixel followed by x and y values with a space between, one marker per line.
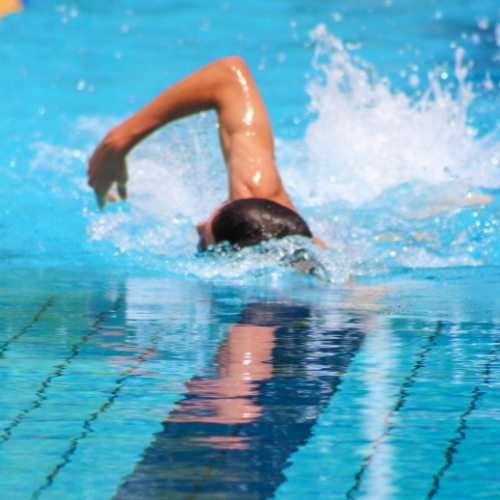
pixel 395 180
pixel 368 139
pixel 389 180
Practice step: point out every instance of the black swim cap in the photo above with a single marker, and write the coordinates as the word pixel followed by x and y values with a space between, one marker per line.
pixel 249 221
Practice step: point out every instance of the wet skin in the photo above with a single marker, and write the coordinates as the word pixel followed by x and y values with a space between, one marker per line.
pixel 245 134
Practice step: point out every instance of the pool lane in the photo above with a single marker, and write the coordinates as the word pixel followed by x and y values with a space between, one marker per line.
pixel 434 432
pixel 87 383
pixel 205 452
pixel 6 343
pixel 130 390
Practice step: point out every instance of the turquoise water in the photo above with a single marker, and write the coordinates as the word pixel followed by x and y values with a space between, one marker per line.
pixel 120 347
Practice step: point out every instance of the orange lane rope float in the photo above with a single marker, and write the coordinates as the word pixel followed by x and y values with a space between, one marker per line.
pixel 10 6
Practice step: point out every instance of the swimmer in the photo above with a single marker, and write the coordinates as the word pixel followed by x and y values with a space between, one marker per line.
pixel 259 208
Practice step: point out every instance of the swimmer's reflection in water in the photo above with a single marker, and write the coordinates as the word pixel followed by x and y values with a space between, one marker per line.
pixel 249 409
pixel 243 362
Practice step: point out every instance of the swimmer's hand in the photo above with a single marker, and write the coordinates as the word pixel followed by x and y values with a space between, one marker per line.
pixel 107 166
pixel 319 242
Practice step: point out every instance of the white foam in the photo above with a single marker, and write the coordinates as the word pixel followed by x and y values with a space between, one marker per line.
pixel 347 176
pixel 368 139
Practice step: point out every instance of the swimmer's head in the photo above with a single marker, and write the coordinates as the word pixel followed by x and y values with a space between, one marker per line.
pixel 250 221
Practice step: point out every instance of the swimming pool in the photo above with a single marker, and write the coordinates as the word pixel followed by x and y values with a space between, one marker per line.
pixel 121 349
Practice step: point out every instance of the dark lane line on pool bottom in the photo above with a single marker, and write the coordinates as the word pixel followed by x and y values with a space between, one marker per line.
pixel 477 393
pixel 87 429
pixel 249 409
pixel 389 424
pixel 23 330
pixel 58 372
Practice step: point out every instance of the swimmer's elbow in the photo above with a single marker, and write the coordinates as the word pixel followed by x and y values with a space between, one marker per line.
pixel 230 71
pixel 233 62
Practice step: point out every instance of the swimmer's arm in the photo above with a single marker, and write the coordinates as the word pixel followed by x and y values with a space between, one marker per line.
pixel 225 85
pixel 245 132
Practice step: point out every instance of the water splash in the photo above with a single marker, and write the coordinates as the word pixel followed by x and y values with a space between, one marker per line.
pixel 389 180
pixel 271 259
pixel 395 180
pixel 368 139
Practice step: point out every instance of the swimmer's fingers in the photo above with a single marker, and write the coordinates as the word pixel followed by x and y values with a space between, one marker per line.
pixel 121 177
pixel 101 201
pixel 122 190
pixel 111 196
pixel 99 178
pixel 106 168
pixel 101 183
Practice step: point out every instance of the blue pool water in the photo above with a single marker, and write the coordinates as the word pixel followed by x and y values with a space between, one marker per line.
pixel 132 368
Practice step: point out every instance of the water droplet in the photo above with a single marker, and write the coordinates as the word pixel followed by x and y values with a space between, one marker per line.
pixel 483 23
